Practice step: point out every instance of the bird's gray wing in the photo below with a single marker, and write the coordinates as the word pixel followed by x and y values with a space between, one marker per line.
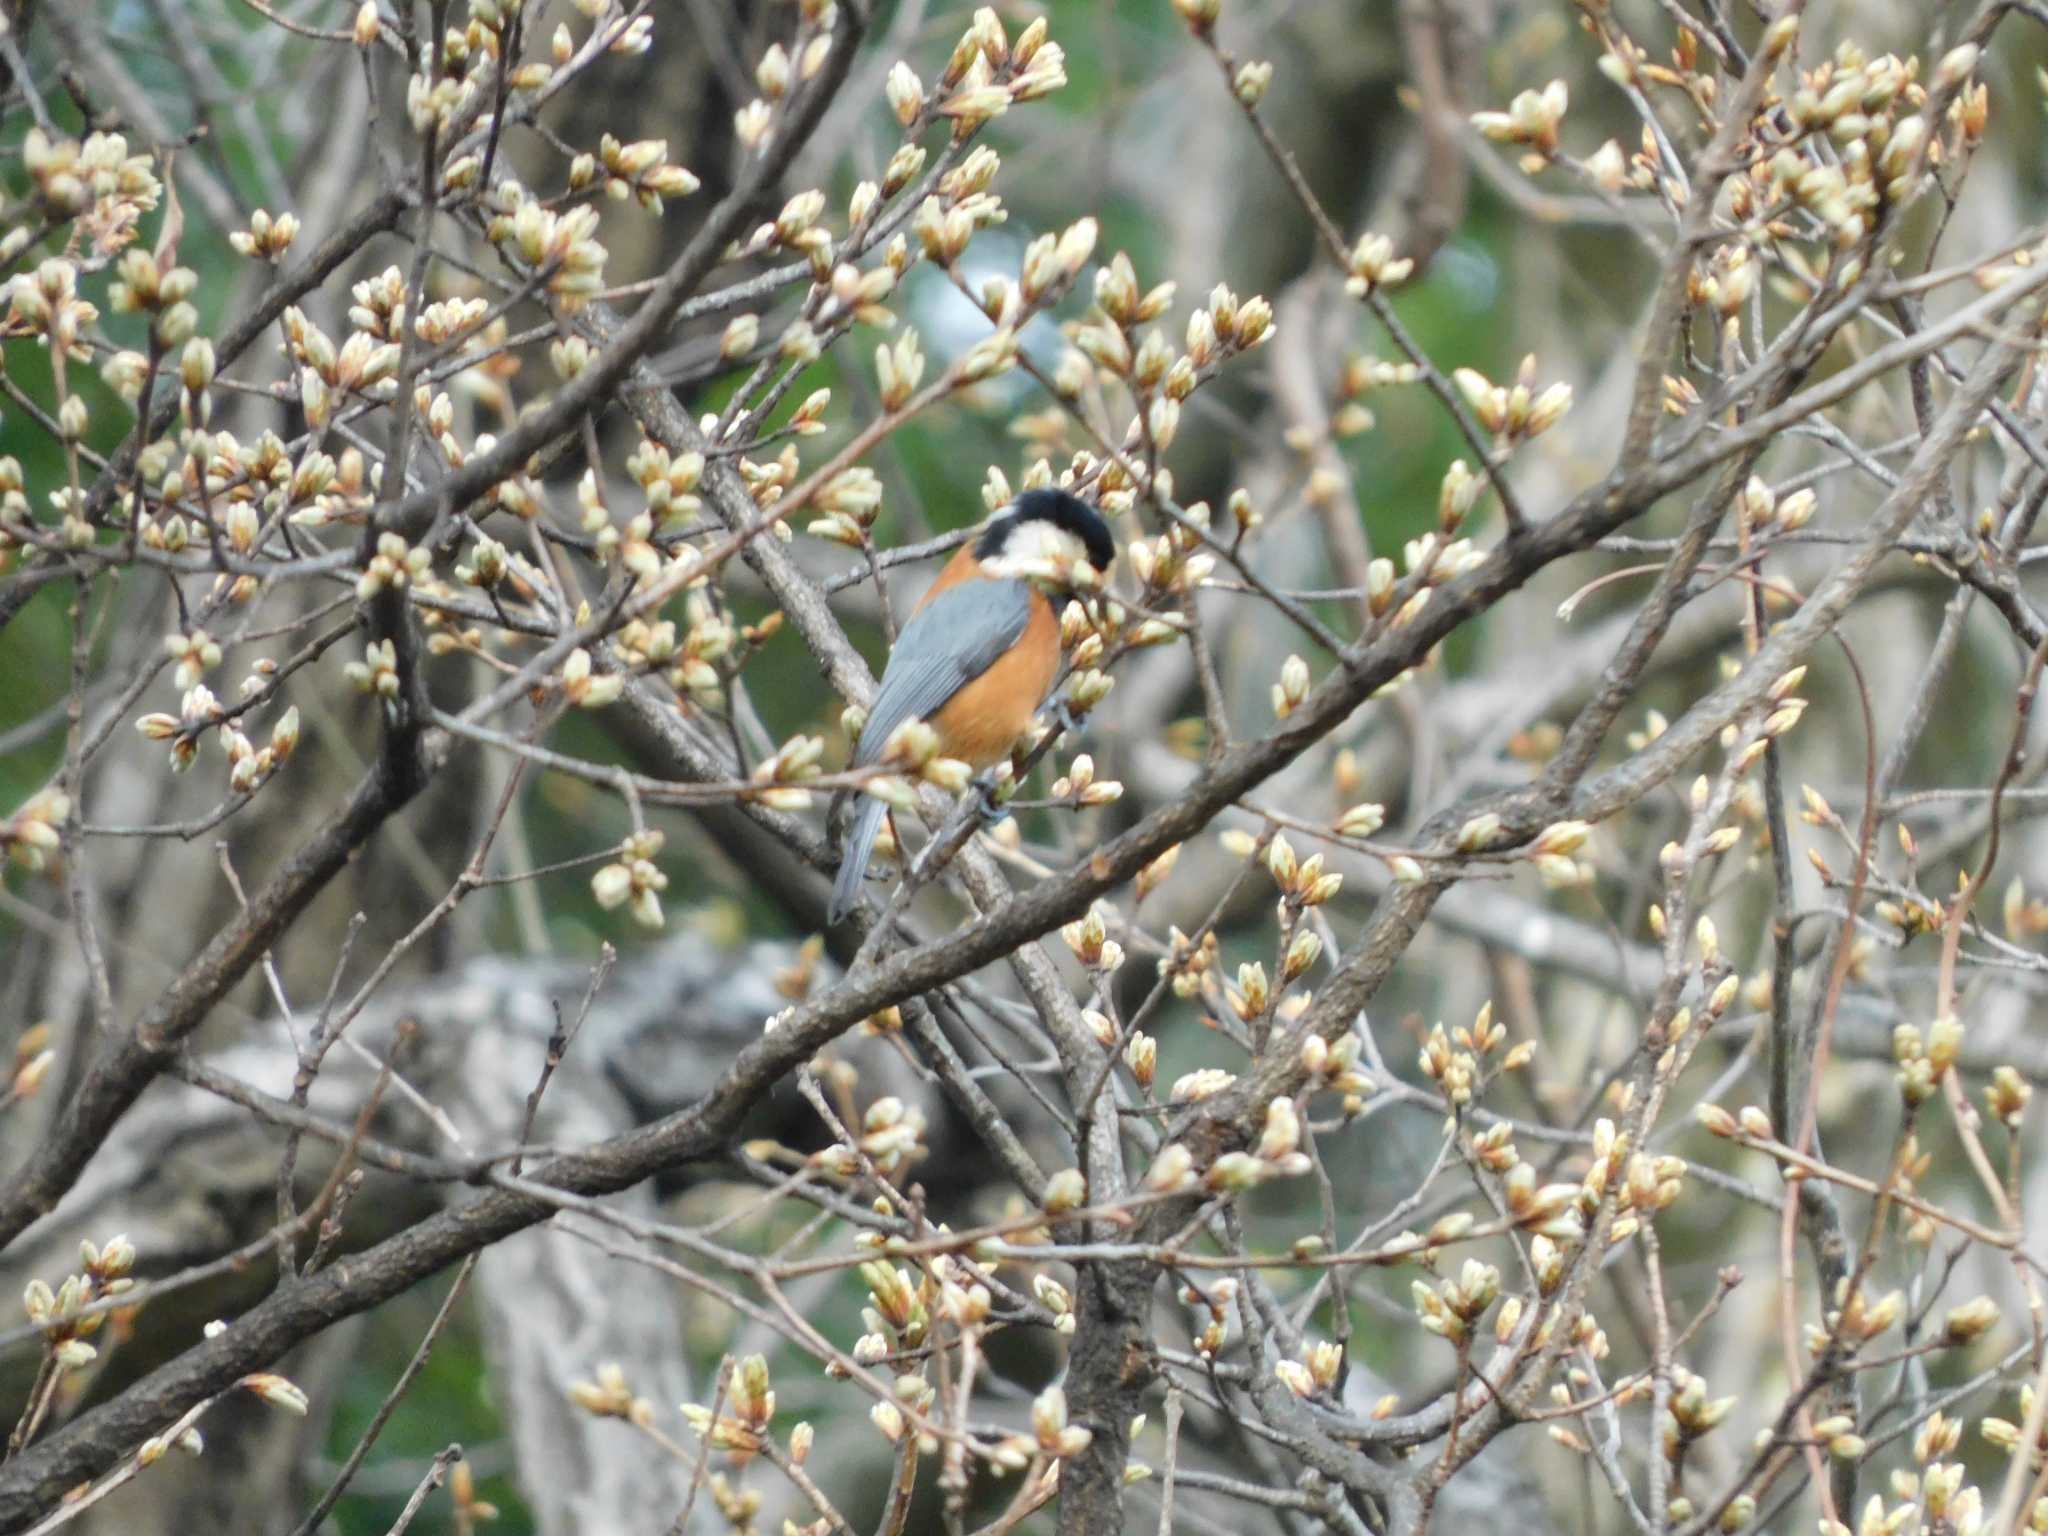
pixel 947 644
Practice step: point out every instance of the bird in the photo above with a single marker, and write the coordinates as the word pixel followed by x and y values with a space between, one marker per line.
pixel 979 653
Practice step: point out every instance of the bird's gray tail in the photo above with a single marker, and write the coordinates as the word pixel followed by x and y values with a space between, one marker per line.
pixel 853 865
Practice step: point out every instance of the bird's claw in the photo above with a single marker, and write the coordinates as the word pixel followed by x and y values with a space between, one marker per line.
pixel 990 809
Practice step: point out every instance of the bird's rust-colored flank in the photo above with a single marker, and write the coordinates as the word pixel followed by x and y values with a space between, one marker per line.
pixel 981 722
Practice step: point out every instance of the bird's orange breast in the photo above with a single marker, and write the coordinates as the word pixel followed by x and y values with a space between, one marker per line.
pixel 981 723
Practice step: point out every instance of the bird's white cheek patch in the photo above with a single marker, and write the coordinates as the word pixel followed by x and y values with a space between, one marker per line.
pixel 1036 549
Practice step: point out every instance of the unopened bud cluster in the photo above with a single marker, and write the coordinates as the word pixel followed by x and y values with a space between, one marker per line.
pixel 62 1315
pixel 633 880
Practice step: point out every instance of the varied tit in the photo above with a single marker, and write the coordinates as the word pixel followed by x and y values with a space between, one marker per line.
pixel 979 652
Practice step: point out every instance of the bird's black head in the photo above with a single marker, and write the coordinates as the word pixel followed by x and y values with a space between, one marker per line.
pixel 1058 509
